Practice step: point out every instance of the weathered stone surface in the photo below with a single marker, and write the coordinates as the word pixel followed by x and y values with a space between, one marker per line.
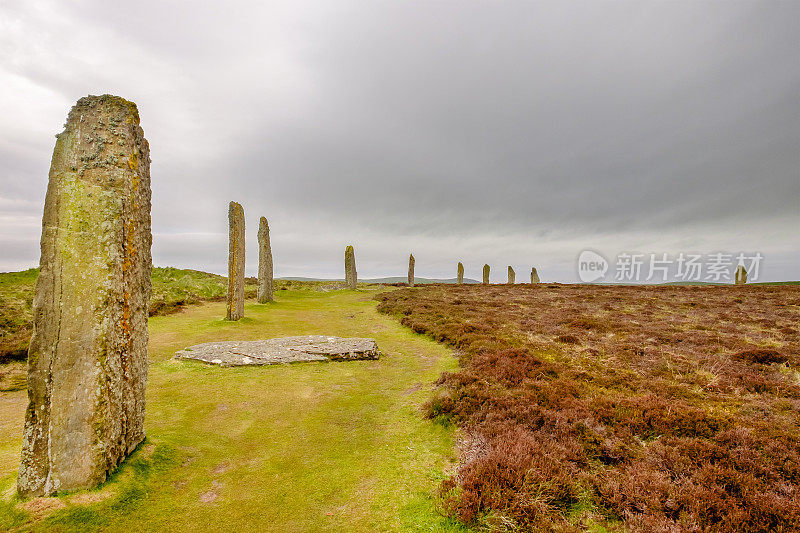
pixel 460 273
pixel 512 278
pixel 485 274
pixel 87 362
pixel 235 261
pixel 741 275
pixel 265 290
pixel 282 350
pixel 350 275
pixel 411 270
pixel 534 276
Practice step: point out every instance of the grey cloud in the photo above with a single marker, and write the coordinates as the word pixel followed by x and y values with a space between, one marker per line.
pixel 514 131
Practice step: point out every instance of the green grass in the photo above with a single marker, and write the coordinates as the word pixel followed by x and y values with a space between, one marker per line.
pixel 173 288
pixel 16 296
pixel 302 447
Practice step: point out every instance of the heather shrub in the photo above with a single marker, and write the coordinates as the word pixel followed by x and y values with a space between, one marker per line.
pixel 664 408
pixel 761 356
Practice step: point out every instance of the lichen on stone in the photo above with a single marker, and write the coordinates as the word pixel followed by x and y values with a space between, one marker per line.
pixel 88 355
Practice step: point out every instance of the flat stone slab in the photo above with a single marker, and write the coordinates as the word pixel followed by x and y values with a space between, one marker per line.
pixel 282 350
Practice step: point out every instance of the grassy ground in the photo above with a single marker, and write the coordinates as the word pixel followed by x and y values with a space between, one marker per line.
pixel 304 447
pixel 16 320
pixel 173 289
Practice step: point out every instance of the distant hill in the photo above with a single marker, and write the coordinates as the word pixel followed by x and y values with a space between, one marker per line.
pixel 396 279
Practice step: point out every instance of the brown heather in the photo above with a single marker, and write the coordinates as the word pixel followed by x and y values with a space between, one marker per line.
pixel 654 408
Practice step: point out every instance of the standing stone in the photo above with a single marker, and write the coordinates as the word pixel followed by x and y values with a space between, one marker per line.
pixel 485 274
pixel 87 362
pixel 235 261
pixel 350 275
pixel 741 275
pixel 265 293
pixel 460 275
pixel 411 270
pixel 511 276
pixel 534 276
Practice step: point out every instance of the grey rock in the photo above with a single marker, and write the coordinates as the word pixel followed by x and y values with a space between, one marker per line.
pixel 350 274
pixel 235 261
pixel 460 274
pixel 411 270
pixel 282 350
pixel 87 362
pixel 741 275
pixel 534 276
pixel 265 281
pixel 511 276
pixel 485 274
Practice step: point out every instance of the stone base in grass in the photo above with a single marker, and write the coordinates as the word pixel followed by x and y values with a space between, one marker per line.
pixel 282 350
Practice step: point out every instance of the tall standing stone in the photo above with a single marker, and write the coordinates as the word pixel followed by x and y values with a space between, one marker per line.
pixel 350 275
pixel 512 279
pixel 265 291
pixel 741 275
pixel 87 362
pixel 460 273
pixel 411 270
pixel 485 274
pixel 534 276
pixel 235 261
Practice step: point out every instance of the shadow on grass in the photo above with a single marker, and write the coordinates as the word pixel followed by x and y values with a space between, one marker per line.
pixel 132 481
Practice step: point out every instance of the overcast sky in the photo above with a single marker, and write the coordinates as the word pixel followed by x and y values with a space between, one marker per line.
pixel 509 133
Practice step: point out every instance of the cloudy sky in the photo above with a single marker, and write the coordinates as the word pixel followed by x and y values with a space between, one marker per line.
pixel 509 133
